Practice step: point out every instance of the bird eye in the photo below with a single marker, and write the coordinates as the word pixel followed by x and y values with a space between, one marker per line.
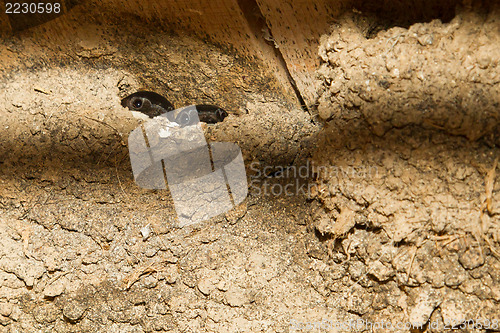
pixel 137 103
pixel 183 119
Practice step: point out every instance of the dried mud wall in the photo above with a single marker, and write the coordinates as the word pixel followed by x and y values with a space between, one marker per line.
pixel 402 221
pixel 407 188
pixel 435 74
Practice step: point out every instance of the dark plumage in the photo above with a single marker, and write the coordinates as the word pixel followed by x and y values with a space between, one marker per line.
pixel 210 114
pixel 147 102
pixel 153 105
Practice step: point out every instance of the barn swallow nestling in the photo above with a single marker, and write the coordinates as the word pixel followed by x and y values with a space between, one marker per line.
pixel 152 105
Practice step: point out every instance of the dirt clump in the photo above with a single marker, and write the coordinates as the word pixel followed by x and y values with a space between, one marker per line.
pixel 437 75
pixel 408 153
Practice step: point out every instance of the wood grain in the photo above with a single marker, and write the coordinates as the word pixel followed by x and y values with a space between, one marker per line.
pixel 296 26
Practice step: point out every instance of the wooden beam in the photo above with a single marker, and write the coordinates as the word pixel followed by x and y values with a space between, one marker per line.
pixel 242 25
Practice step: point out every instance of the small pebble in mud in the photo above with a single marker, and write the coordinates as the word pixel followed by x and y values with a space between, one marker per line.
pixel 146 232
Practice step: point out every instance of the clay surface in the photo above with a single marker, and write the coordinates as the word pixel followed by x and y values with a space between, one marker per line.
pixel 391 215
